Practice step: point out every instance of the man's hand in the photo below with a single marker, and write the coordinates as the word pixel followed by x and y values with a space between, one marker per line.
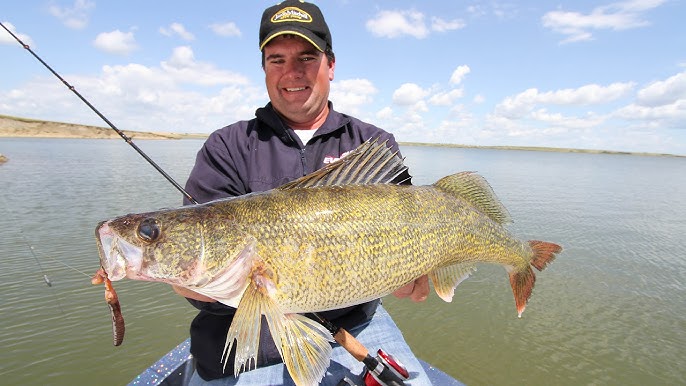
pixel 185 292
pixel 417 291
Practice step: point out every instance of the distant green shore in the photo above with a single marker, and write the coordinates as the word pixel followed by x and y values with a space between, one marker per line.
pixel 545 149
pixel 17 127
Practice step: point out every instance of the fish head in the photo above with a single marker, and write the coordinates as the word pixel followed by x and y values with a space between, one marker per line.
pixel 157 246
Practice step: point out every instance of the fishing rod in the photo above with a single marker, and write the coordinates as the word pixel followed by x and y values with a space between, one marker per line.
pixel 385 373
pixel 104 118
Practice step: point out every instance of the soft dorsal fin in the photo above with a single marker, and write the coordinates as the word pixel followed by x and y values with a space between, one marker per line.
pixel 369 163
pixel 476 190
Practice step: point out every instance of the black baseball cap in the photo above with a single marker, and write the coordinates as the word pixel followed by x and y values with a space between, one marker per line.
pixel 298 18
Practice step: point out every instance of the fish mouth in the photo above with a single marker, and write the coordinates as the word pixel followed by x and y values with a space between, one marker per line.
pixel 118 257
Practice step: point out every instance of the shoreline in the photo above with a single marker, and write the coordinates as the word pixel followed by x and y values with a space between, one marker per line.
pixel 545 149
pixel 16 127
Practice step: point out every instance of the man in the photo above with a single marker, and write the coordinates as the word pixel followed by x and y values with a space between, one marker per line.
pixel 295 134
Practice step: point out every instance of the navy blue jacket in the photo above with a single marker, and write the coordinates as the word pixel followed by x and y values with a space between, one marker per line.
pixel 254 156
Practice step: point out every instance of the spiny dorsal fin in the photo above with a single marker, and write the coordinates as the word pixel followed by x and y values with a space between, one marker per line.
pixel 476 190
pixel 369 163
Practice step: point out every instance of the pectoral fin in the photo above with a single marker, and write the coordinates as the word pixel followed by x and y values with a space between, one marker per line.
pixel 445 279
pixel 245 332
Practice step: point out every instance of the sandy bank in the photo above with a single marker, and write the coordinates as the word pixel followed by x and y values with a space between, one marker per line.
pixel 33 128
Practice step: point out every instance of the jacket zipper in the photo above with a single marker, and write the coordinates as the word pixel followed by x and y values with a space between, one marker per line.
pixel 302 160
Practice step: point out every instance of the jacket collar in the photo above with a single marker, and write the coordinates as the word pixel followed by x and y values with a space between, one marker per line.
pixel 267 115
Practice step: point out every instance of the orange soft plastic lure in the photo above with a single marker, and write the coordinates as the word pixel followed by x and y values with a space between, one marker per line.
pixel 112 300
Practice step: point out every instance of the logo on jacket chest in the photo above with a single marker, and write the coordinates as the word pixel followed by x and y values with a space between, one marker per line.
pixel 331 159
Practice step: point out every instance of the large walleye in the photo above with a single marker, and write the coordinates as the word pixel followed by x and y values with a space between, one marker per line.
pixel 338 237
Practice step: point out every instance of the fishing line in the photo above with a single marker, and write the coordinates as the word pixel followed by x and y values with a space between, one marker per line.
pixel 31 248
pixel 46 278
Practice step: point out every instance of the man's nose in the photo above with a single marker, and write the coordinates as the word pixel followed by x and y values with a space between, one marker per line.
pixel 296 68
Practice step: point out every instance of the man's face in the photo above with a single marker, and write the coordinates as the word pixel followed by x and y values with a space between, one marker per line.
pixel 298 79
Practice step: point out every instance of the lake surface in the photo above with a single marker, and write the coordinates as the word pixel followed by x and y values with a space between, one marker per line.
pixel 610 310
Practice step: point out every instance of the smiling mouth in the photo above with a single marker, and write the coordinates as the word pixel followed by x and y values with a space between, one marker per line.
pixel 294 89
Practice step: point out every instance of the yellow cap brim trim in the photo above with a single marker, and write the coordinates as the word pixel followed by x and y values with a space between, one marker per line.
pixel 267 40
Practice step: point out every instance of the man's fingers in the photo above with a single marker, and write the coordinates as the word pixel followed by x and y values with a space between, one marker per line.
pixel 421 289
pixel 417 290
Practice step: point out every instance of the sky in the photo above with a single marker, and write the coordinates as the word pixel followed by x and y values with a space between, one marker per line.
pixel 603 75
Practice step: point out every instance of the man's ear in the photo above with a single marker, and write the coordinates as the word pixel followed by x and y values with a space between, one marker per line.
pixel 332 67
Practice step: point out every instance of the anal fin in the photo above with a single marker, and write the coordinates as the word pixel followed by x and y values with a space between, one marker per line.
pixel 445 279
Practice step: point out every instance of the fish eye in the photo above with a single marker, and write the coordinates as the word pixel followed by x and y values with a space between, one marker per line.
pixel 148 230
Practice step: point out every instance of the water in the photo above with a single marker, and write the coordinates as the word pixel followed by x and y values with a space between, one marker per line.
pixel 610 310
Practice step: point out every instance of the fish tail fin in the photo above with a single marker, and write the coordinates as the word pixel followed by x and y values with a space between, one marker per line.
pixel 544 253
pixel 522 281
pixel 445 279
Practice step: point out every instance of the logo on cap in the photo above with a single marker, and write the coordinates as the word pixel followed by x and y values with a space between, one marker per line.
pixel 291 14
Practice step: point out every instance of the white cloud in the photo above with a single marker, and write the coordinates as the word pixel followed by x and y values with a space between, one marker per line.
pixel 177 29
pixel 588 94
pixel 393 24
pixel 440 25
pixel 446 98
pixel 116 42
pixel 674 112
pixel 6 38
pixel 226 29
pixel 615 16
pixel 385 114
pixel 183 67
pixel 570 122
pixel 524 102
pixel 75 17
pixel 351 95
pixel 409 94
pixel 528 117
pixel 459 74
pixel 664 92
